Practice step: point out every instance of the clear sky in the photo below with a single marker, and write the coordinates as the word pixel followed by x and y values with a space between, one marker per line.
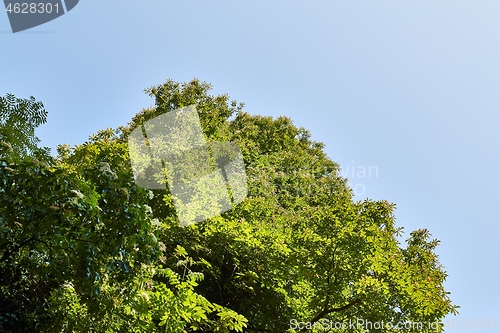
pixel 410 88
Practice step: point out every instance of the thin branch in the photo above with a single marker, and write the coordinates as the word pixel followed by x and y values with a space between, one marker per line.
pixel 15 249
pixel 325 312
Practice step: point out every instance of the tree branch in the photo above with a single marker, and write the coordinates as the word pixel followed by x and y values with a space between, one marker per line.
pixel 6 255
pixel 328 311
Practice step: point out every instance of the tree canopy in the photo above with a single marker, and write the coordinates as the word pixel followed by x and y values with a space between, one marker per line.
pixel 83 248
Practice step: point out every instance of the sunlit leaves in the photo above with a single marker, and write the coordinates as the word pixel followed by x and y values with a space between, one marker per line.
pixel 298 246
pixel 102 254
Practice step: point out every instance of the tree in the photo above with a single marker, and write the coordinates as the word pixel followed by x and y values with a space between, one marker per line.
pixel 298 247
pixel 103 254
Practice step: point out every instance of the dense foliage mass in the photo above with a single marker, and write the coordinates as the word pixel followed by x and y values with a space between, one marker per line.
pixel 84 249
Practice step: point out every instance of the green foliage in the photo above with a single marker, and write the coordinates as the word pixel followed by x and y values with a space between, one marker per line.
pixel 79 250
pixel 18 120
pixel 299 247
pixel 84 249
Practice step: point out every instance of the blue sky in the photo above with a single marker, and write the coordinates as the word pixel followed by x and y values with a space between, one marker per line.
pixel 408 87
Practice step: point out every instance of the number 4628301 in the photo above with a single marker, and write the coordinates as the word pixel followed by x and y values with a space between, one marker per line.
pixel 32 8
pixel 462 324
